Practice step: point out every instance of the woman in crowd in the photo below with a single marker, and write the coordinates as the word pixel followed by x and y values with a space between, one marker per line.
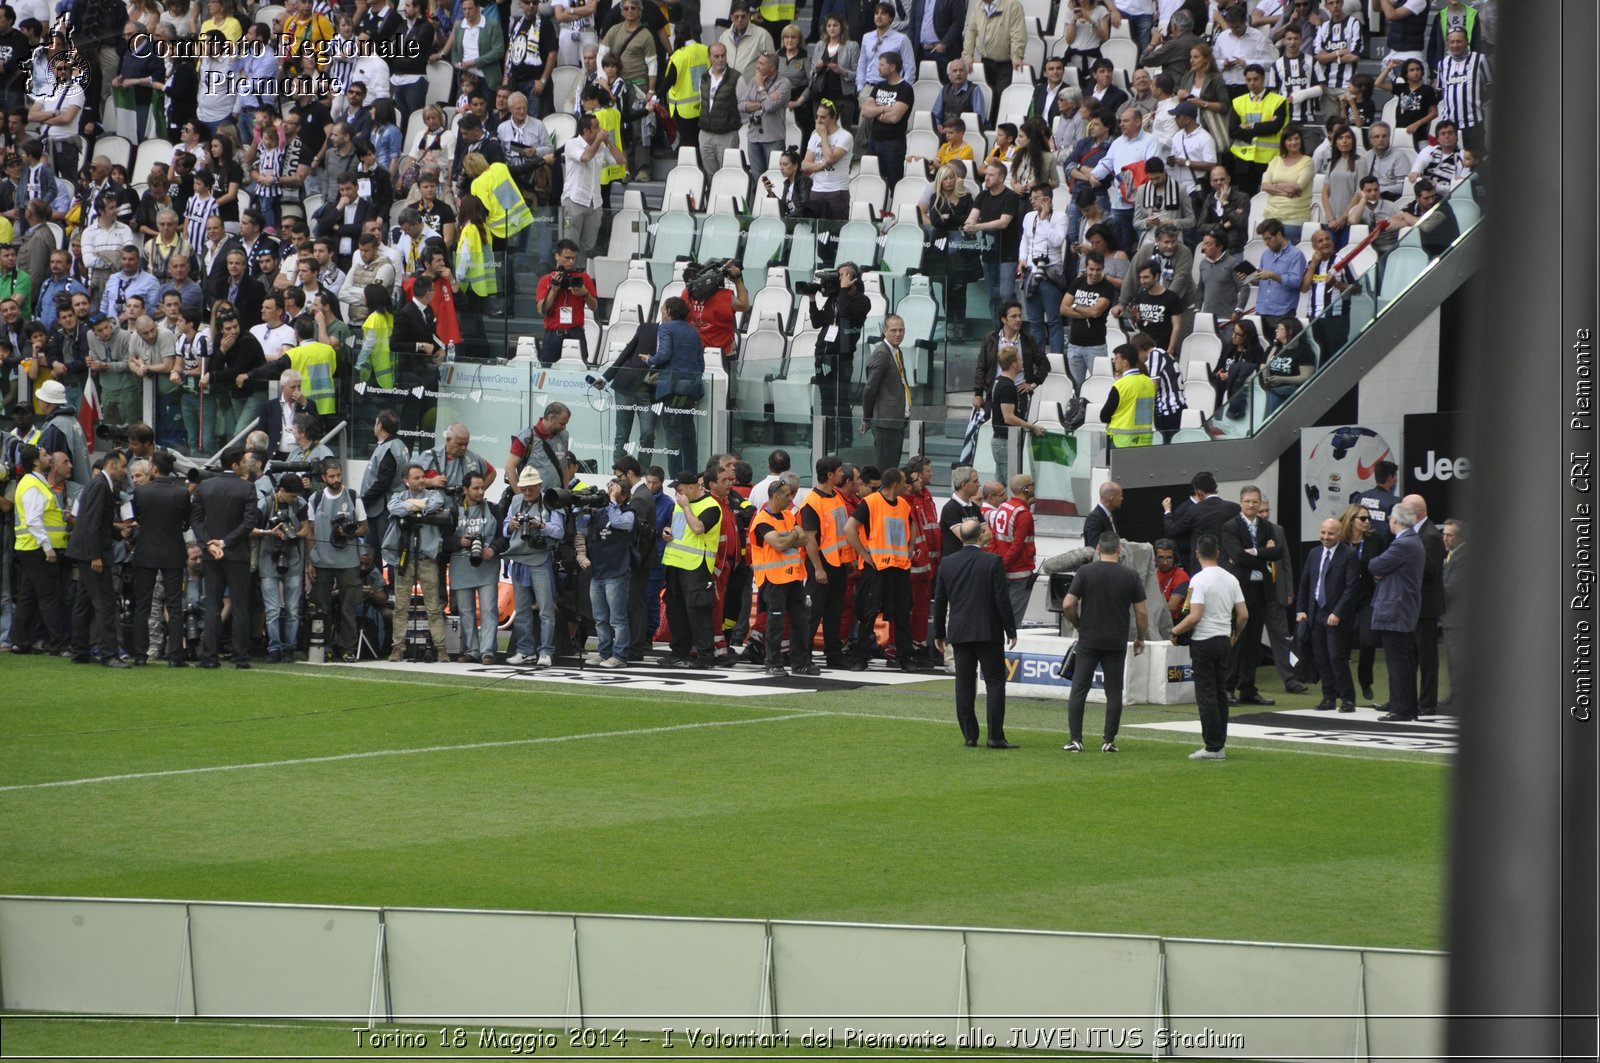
pixel 794 65
pixel 948 206
pixel 1238 363
pixel 1034 165
pixel 1288 363
pixel 1341 185
pixel 1203 86
pixel 1287 184
pixel 833 71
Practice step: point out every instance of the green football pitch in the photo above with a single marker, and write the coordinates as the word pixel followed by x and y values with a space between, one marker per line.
pixel 365 787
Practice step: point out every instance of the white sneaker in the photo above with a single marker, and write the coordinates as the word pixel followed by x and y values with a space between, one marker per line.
pixel 605 662
pixel 1072 747
pixel 520 658
pixel 617 662
pixel 546 661
pixel 1207 754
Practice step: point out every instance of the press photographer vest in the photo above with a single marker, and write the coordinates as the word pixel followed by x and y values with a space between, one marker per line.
pixel 517 548
pixel 610 548
pixel 327 554
pixel 508 212
pixel 473 522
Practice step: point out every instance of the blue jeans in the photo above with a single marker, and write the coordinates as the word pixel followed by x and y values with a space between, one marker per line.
pixel 1122 222
pixel 542 593
pixel 246 410
pixel 280 598
pixel 409 98
pixel 1139 26
pixel 1081 359
pixel 634 407
pixel 1293 232
pixel 200 422
pixel 761 154
pixel 1044 315
pixel 609 600
pixel 482 638
pixel 1001 278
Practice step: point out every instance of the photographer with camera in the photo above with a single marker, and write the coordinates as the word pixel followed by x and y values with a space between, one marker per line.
pixel 161 508
pixel 563 294
pixel 282 565
pixel 419 515
pixel 385 474
pixel 476 545
pixel 447 466
pixel 541 447
pixel 714 307
pixel 611 551
pixel 338 519
pixel 839 317
pixel 532 531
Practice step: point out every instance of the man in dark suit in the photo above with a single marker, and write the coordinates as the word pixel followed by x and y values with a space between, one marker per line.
pixel 277 419
pixel 1249 552
pixel 971 588
pixel 1203 513
pixel 239 288
pixel 223 514
pixel 1280 606
pixel 161 508
pixel 1327 594
pixel 885 398
pixel 1395 607
pixel 949 20
pixel 94 533
pixel 1454 621
pixel 415 342
pixel 1432 605
pixel 1102 518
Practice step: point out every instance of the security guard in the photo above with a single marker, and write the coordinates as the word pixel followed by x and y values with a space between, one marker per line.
pixel 691 588
pixel 1258 119
pixel 684 71
pixel 880 530
pixel 1130 410
pixel 41 544
pixel 495 188
pixel 777 552
pixel 832 559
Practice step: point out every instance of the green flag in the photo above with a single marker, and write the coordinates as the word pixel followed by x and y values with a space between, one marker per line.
pixel 1056 449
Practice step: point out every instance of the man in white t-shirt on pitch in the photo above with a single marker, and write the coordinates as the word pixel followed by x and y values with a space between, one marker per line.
pixel 1216 614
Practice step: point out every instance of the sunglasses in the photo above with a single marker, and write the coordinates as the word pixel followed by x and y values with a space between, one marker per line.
pixel 1364 520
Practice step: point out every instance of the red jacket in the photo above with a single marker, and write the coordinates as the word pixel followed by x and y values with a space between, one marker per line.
pixel 1013 537
pixel 925 547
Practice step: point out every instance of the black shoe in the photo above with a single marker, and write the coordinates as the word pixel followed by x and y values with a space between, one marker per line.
pixel 776 671
pixel 726 660
pixel 241 664
pixel 1366 693
pixel 1325 705
pixel 1003 744
pixel 1347 706
pixel 754 654
pixel 1255 699
pixel 672 661
pixel 140 662
pixel 700 664
pixel 82 658
pixel 1233 699
pixel 1294 686
pixel 971 742
pixel 210 664
pixel 177 662
pixel 855 664
pixel 911 664
pixel 1381 708
pixel 1395 717
pixel 836 662
pixel 115 662
pixel 808 669
pixel 275 657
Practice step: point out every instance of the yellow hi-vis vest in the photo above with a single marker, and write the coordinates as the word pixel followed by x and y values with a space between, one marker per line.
pixel 770 564
pixel 777 15
pixel 473 267
pixel 508 211
pixel 55 521
pixel 683 95
pixel 610 120
pixel 1262 149
pixel 688 549
pixel 317 363
pixel 1134 422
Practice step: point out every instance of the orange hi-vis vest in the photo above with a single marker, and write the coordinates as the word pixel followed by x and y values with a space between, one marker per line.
pixel 770 564
pixel 831 514
pixel 888 538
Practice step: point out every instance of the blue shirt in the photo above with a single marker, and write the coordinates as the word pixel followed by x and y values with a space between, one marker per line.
pixel 120 286
pixel 1278 298
pixel 47 298
pixel 871 48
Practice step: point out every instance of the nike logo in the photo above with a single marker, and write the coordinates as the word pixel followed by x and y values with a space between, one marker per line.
pixel 1364 472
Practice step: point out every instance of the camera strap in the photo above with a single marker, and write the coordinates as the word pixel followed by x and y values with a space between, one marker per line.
pixel 549 452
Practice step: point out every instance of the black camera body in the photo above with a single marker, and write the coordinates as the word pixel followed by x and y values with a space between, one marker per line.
pixel 702 281
pixel 117 433
pixel 475 551
pixel 588 498
pixel 344 527
pixel 565 279
pixel 444 518
pixel 827 284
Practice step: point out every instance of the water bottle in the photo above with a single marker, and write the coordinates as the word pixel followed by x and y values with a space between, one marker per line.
pixel 450 351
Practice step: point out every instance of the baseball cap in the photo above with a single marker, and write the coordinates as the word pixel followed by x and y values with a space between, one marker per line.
pixel 1186 110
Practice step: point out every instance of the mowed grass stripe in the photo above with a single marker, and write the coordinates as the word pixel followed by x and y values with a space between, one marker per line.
pixel 821 817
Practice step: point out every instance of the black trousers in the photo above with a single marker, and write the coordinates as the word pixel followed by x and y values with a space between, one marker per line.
pixel 1113 663
pixel 1367 643
pixel 827 609
pixel 1330 646
pixel 787 602
pixel 1247 651
pixel 885 591
pixel 230 579
pixel 1428 662
pixel 691 594
pixel 94 611
pixel 991 658
pixel 40 592
pixel 638 615
pixel 144 588
pixel 997 74
pixel 348 582
pixel 1210 665
pixel 1400 657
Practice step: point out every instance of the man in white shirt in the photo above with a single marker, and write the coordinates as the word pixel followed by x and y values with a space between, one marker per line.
pixel 1439 162
pixel 580 195
pixel 1240 46
pixel 58 109
pixel 1216 614
pixel 1133 146
pixel 103 243
pixel 274 333
pixel 778 463
pixel 1193 152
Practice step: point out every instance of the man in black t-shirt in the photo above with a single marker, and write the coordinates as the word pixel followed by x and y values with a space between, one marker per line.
pixel 1157 310
pixel 998 211
pixel 888 104
pixel 1102 592
pixel 962 505
pixel 1085 307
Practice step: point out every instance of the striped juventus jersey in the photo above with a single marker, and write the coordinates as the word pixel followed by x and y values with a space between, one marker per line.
pixel 1463 85
pixel 1288 76
pixel 1332 37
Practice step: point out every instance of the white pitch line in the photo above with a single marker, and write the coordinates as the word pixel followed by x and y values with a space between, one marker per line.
pixel 507 743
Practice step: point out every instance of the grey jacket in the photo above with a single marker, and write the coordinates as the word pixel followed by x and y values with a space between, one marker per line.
pixel 883 398
pixel 1219 287
pixel 766 125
